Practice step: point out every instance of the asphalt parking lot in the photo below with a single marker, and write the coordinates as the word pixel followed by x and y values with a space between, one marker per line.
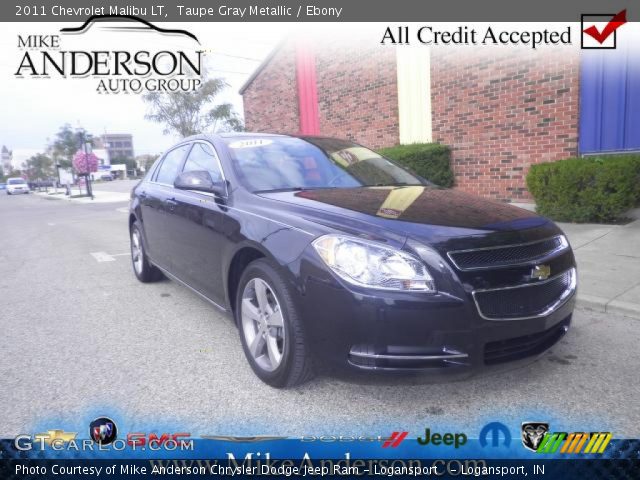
pixel 80 337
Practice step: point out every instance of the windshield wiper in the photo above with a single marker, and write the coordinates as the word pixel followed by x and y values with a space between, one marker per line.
pixel 293 189
pixel 284 189
pixel 399 184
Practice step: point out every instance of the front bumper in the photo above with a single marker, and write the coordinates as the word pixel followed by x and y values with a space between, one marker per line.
pixel 395 331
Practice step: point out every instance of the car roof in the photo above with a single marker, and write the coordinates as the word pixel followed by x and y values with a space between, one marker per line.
pixel 228 135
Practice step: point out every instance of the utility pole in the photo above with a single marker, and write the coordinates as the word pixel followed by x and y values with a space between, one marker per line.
pixel 86 146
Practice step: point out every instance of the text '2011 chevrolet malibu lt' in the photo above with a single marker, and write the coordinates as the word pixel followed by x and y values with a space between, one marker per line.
pixel 327 254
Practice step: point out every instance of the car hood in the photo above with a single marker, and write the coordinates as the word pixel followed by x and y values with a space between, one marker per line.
pixel 427 213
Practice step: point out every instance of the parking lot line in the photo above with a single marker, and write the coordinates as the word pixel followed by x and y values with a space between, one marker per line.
pixel 102 257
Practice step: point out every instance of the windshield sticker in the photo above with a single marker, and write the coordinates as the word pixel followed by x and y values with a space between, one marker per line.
pixel 256 142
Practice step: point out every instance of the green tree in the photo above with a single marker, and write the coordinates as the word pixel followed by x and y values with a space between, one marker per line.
pixel 39 167
pixel 145 162
pixel 190 113
pixel 67 142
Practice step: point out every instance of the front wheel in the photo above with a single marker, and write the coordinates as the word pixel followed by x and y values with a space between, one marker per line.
pixel 144 270
pixel 270 328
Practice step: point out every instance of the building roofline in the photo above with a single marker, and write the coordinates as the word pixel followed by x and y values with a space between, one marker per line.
pixel 261 67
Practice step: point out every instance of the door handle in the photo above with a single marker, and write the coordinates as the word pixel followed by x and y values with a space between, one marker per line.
pixel 171 204
pixel 142 195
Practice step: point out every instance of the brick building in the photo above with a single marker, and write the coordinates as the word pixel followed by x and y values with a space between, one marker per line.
pixel 500 110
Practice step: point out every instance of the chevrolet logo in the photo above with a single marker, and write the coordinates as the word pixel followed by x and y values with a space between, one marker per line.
pixel 540 272
pixel 53 435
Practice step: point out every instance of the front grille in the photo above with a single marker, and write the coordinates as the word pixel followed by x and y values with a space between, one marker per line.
pixel 525 346
pixel 508 255
pixel 526 301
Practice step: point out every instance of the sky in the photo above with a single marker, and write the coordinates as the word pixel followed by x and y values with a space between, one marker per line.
pixel 32 110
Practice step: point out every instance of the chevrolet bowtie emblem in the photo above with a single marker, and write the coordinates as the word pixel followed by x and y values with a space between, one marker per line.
pixel 540 272
pixel 52 435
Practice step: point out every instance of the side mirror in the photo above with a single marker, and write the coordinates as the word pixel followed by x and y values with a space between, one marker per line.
pixel 199 180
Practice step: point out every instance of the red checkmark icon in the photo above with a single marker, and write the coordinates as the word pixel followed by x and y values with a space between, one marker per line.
pixel 616 22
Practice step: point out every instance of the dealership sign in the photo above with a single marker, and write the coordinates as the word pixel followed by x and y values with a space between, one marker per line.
pixel 104 53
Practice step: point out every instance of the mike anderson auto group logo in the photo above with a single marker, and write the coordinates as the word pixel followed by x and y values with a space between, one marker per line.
pixel 100 49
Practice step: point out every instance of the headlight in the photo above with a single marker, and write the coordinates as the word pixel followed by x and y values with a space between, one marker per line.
pixel 372 265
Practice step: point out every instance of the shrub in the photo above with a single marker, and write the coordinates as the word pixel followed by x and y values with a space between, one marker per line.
pixel 429 160
pixel 591 189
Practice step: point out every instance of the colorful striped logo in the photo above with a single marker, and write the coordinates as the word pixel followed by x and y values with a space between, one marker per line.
pixel 578 442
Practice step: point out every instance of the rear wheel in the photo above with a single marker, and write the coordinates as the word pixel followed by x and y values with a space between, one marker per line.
pixel 144 270
pixel 270 327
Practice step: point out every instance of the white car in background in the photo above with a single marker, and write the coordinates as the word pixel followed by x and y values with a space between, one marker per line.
pixel 17 185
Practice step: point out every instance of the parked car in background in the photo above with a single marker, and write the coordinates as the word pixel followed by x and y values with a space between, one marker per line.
pixel 17 185
pixel 327 254
pixel 3 186
pixel 46 183
pixel 106 177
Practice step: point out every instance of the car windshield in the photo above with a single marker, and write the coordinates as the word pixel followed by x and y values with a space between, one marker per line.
pixel 290 163
pixel 16 181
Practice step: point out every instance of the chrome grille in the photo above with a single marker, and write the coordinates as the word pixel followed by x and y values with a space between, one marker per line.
pixel 509 255
pixel 526 301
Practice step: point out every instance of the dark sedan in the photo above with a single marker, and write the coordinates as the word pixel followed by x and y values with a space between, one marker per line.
pixel 327 254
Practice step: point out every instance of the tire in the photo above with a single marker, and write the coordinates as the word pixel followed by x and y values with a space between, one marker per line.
pixel 143 269
pixel 294 366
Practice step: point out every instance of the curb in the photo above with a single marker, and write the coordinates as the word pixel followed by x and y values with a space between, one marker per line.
pixel 82 200
pixel 627 309
pixel 47 196
pixel 602 305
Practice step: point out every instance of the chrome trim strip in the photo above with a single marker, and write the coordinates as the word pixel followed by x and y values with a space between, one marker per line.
pixel 564 244
pixel 408 357
pixel 566 295
pixel 202 295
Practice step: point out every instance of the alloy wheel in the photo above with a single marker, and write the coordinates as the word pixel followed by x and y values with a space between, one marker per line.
pixel 263 324
pixel 136 251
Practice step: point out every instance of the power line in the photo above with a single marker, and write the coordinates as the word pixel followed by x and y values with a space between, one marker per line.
pixel 229 71
pixel 237 56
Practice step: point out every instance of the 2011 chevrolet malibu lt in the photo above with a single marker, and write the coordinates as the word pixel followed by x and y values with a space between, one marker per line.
pixel 327 254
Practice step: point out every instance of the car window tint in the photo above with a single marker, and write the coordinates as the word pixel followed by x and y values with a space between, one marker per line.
pixel 203 157
pixel 169 168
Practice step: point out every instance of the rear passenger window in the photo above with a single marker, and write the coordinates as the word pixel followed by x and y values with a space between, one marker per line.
pixel 169 169
pixel 203 157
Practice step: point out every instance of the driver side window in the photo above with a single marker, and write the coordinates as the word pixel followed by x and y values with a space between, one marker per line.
pixel 203 157
pixel 168 171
